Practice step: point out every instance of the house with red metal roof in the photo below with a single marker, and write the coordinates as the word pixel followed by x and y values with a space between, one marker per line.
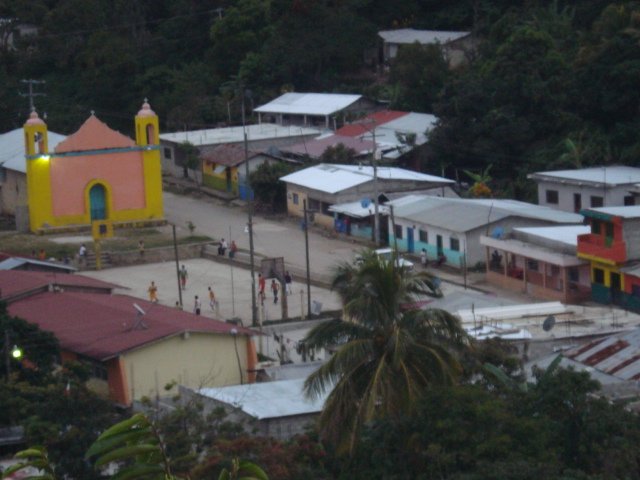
pixel 135 347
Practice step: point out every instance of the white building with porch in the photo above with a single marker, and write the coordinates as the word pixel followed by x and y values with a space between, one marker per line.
pixel 542 262
pixel 453 226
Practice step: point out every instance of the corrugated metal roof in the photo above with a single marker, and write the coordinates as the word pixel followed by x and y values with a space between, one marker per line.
pixel 617 355
pixel 563 234
pixel 624 212
pixel 332 178
pixel 614 175
pixel 309 103
pixel 282 398
pixel 99 325
pixel 355 209
pixel 227 154
pixel 317 146
pixel 12 148
pixel 382 117
pixel 462 215
pixel 409 35
pixel 15 262
pixel 262 131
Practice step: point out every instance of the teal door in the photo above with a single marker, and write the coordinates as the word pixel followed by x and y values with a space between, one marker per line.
pixel 97 202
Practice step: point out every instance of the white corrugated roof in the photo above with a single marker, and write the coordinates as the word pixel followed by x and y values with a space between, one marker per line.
pixel 565 234
pixel 332 178
pixel 268 400
pixel 409 35
pixel 214 136
pixel 12 148
pixel 614 175
pixel 355 209
pixel 464 214
pixel 15 262
pixel 309 103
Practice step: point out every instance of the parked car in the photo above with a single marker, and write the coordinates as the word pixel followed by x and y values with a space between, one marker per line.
pixel 386 253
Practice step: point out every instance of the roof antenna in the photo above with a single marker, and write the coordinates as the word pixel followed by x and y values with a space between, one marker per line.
pixel 139 323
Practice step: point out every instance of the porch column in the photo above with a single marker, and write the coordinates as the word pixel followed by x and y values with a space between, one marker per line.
pixel 565 288
pixel 486 259
pixel 544 275
pixel 524 273
pixel 505 263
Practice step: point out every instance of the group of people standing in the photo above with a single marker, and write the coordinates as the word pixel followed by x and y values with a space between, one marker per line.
pixel 275 287
pixel 183 274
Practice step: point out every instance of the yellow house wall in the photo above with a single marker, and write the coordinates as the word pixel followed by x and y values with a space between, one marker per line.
pixel 292 208
pixel 608 270
pixel 202 360
pixel 298 210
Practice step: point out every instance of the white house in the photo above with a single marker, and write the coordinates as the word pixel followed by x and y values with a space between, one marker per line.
pixel 453 226
pixel 325 185
pixel 540 261
pixel 573 190
pixel 315 109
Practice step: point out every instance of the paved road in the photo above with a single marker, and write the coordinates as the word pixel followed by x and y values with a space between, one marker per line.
pixel 271 238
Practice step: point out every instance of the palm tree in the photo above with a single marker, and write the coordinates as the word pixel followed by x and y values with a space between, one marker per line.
pixel 391 350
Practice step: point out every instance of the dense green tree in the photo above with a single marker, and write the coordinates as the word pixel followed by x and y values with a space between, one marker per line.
pixel 556 429
pixel 389 351
pixel 269 190
pixel 419 72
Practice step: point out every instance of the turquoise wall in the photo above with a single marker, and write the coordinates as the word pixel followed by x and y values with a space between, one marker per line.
pixel 455 259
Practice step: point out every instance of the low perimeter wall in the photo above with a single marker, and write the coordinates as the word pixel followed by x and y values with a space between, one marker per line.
pixel 156 255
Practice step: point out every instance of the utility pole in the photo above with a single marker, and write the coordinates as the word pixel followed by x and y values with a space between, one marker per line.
pixel 306 248
pixel 374 164
pixel 254 311
pixel 175 253
pixel 31 93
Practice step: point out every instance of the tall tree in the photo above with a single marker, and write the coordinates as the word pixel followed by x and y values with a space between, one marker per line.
pixel 391 349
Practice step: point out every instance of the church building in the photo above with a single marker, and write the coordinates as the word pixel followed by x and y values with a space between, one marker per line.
pixel 94 174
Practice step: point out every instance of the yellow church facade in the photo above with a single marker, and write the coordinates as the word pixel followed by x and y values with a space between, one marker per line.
pixel 96 174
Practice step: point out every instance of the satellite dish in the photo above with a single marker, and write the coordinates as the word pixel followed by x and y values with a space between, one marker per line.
pixel 549 322
pixel 139 323
pixel 140 310
pixel 365 203
pixel 498 232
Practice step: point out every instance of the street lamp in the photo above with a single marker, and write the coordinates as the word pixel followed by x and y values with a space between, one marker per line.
pixel 14 352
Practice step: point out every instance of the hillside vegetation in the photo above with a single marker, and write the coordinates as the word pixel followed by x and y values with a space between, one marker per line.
pixel 552 84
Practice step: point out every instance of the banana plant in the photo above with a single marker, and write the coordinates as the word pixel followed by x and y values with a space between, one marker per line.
pixel 35 457
pixel 137 440
pixel 137 443
pixel 248 470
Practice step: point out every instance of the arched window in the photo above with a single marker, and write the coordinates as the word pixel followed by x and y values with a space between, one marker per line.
pixel 98 202
pixel 151 135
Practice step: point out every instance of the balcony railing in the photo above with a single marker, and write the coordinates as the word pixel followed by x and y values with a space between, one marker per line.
pixel 601 247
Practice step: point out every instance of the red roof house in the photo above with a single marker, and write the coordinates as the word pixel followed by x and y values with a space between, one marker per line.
pixel 133 354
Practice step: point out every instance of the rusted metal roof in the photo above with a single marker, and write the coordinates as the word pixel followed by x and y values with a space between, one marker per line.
pixel 617 355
